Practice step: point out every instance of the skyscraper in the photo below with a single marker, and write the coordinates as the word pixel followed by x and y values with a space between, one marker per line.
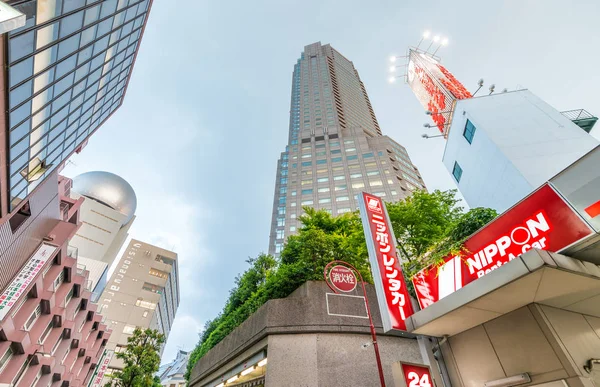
pixel 336 148
pixel 142 292
pixel 65 72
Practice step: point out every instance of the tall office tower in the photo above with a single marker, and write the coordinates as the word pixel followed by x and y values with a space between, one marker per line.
pixel 65 71
pixel 142 292
pixel 106 214
pixel 335 147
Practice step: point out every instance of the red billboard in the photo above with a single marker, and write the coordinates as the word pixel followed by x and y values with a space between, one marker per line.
pixel 435 87
pixel 392 293
pixel 543 221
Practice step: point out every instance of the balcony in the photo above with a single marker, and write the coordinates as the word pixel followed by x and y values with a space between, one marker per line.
pixel 73 252
pixel 582 118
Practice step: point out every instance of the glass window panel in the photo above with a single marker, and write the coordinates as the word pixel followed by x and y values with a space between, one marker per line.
pixel 66 66
pixel 91 15
pixel 84 55
pixel 123 4
pixel 20 184
pixel 20 114
pixel 108 7
pixel 17 133
pixel 58 129
pixel 118 20
pixel 68 46
pixel 48 9
pixel 71 23
pixel 114 37
pixel 47 35
pixel 127 28
pixel 61 101
pixel 88 35
pixel 100 45
pixel 20 94
pixel 44 59
pixel 41 99
pixel 104 27
pixel 71 5
pixel 21 46
pixel 28 8
pixel 19 147
pixel 131 12
pixel 40 116
pixel 63 84
pixel 21 71
pixel 43 80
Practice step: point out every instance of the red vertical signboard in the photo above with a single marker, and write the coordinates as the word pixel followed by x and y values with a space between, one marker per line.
pixel 392 295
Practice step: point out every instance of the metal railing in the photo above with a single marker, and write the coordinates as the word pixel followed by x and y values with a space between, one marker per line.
pixel 73 252
pixel 577 114
pixel 64 211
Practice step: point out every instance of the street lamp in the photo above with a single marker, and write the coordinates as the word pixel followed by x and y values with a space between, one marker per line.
pixel 426 136
pixel 443 42
pixel 428 125
pixel 425 36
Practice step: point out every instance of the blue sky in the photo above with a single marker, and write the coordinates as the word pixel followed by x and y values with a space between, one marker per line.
pixel 206 112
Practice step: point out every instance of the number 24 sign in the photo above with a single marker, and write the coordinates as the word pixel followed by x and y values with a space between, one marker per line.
pixel 416 375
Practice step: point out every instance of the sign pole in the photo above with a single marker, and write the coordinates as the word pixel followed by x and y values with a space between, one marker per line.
pixel 371 326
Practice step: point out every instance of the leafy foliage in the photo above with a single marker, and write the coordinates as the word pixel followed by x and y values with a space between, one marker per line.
pixel 141 358
pixel 428 226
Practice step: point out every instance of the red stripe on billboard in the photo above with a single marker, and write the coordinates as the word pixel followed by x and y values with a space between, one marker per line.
pixel 387 270
pixel 543 220
pixel 593 210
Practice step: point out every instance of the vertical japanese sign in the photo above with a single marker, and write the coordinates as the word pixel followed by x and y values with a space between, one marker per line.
pixel 542 221
pixel 101 368
pixel 27 274
pixel 392 295
pixel 416 375
pixel 435 87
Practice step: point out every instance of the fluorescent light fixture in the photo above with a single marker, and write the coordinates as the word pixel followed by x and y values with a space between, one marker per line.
pixel 220 385
pixel 248 370
pixel 232 379
pixel 510 381
pixel 262 363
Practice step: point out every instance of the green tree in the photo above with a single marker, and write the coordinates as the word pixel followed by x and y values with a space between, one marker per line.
pixel 156 381
pixel 141 358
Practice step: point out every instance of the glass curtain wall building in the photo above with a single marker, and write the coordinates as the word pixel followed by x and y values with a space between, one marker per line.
pixel 68 69
pixel 336 148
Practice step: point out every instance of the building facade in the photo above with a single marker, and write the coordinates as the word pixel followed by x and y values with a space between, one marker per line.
pixel 106 216
pixel 66 71
pixel 143 291
pixel 501 147
pixel 173 374
pixel 336 148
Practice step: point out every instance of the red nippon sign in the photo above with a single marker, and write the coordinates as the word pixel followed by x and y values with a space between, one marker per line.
pixel 542 221
pixel 342 278
pixel 392 294
pixel 416 375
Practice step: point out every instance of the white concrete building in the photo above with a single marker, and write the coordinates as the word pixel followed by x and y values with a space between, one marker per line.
pixel 106 216
pixel 501 147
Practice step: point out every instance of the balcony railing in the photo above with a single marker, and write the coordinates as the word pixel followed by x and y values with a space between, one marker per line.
pixel 582 118
pixel 64 211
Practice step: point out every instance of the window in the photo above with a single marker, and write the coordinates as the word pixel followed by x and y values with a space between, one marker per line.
pixel 336 159
pixel 280 234
pixel 373 173
pixel 355 175
pixel 358 185
pixel 158 273
pixel 59 279
pixel 20 217
pixel 307 191
pixel 323 179
pixel 321 161
pixel 469 131
pixel 145 304
pixel 338 178
pixel 307 163
pixel 367 155
pixel 353 157
pixel 324 189
pixel 325 200
pixel 375 183
pixel 46 332
pixel 128 329
pixel 342 198
pixel 69 295
pixel 292 228
pixel 306 202
pixel 163 259
pixel 6 358
pixel 31 320
pixel 151 288
pixel 457 172
pixel 340 187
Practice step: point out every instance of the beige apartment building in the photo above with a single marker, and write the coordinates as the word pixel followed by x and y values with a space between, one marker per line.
pixel 143 291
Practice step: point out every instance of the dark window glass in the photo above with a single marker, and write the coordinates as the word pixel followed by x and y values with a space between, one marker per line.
pixel 71 23
pixel 67 46
pixel 20 94
pixel 457 172
pixel 469 131
pixel 20 217
pixel 21 46
pixel 70 5
pixel 21 71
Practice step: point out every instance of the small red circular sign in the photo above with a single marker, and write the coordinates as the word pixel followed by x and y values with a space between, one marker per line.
pixel 342 278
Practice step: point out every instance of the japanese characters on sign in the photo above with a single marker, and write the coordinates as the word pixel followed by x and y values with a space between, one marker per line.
pixel 543 221
pixel 98 375
pixel 342 278
pixel 392 294
pixel 416 375
pixel 25 277
pixel 435 87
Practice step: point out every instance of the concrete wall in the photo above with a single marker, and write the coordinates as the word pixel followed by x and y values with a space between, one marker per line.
pixel 548 343
pixel 306 345
pixel 520 143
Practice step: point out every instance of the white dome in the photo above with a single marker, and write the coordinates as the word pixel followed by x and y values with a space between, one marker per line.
pixel 108 189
